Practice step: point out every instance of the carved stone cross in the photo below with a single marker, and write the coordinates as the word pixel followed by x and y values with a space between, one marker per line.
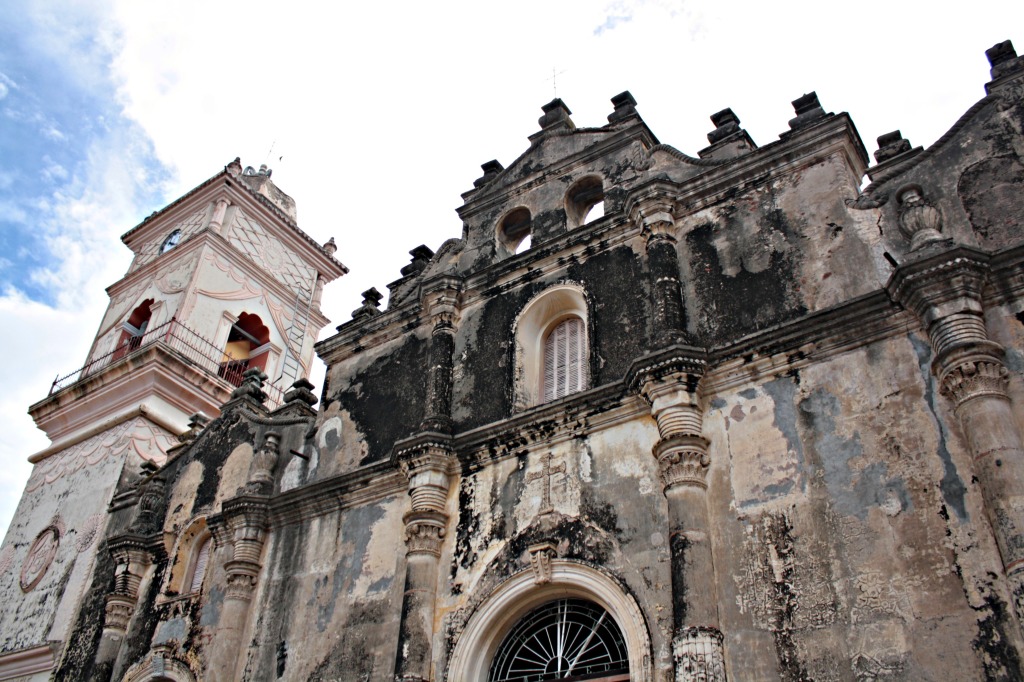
pixel 546 472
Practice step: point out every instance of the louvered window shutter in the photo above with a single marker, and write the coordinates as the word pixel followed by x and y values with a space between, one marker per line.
pixel 199 572
pixel 564 355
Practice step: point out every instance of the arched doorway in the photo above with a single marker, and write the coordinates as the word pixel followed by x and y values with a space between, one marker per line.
pixel 520 608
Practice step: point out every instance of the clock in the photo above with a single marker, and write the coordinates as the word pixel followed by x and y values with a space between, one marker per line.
pixel 172 240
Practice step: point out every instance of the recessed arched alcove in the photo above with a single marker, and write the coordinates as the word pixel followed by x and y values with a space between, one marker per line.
pixel 520 595
pixel 533 328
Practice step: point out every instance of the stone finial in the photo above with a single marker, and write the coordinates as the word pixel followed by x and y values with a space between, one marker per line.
pixel 264 460
pixel 330 247
pixel 726 123
pixel 371 304
pixel 556 115
pixel 1003 59
pixel 1000 53
pixel 808 109
pixel 251 386
pixel 234 168
pixel 625 107
pixel 264 170
pixel 491 170
pixel 196 423
pixel 920 222
pixel 301 392
pixel 421 256
pixel 891 145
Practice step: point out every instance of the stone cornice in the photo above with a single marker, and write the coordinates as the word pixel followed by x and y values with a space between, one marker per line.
pixel 337 493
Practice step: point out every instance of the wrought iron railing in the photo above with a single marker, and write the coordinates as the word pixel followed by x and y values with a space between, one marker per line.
pixel 184 342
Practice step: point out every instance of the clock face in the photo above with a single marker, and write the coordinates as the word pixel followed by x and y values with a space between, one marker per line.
pixel 172 240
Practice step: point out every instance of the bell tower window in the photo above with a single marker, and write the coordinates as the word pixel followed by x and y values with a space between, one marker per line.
pixel 134 329
pixel 248 345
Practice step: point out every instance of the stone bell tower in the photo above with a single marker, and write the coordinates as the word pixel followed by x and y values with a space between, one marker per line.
pixel 222 280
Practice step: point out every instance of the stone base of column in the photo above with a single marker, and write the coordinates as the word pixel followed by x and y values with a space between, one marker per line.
pixel 699 655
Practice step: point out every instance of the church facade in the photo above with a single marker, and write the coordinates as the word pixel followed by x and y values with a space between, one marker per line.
pixel 651 417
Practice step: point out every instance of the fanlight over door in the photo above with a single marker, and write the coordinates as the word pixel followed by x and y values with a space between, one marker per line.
pixel 567 639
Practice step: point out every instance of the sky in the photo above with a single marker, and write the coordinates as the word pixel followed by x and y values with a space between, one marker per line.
pixel 375 117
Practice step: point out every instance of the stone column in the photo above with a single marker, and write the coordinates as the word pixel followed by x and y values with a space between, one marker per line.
pixel 663 261
pixel 944 289
pixel 441 306
pixel 428 465
pixel 242 527
pixel 671 384
pixel 132 558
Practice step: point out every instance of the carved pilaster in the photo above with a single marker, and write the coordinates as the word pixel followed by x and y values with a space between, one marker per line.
pixel 220 207
pixel 241 526
pixel 654 216
pixel 132 557
pixel 945 290
pixel 670 381
pixel 428 462
pixel 441 306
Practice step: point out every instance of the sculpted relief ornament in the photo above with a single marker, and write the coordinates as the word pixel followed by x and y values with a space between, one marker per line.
pixel 40 556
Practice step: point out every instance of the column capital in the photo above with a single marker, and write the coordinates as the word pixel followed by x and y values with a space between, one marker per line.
pixel 683 460
pixel 974 374
pixel 441 301
pixel 655 217
pixel 424 532
pixel 936 285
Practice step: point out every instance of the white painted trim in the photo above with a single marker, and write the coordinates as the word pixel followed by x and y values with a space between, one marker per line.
pixel 493 619
pixel 166 421
pixel 538 317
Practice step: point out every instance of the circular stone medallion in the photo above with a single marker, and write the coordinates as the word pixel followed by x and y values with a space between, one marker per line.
pixel 39 558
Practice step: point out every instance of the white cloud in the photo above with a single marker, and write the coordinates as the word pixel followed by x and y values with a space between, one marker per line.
pixel 53 171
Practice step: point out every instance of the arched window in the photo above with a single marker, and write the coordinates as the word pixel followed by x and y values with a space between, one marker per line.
pixel 563 639
pixel 248 345
pixel 514 232
pixel 564 354
pixel 199 563
pixel 134 329
pixel 584 202
pixel 576 597
pixel 552 354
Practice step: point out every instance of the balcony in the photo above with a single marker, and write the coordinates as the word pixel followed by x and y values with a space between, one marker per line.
pixel 184 347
